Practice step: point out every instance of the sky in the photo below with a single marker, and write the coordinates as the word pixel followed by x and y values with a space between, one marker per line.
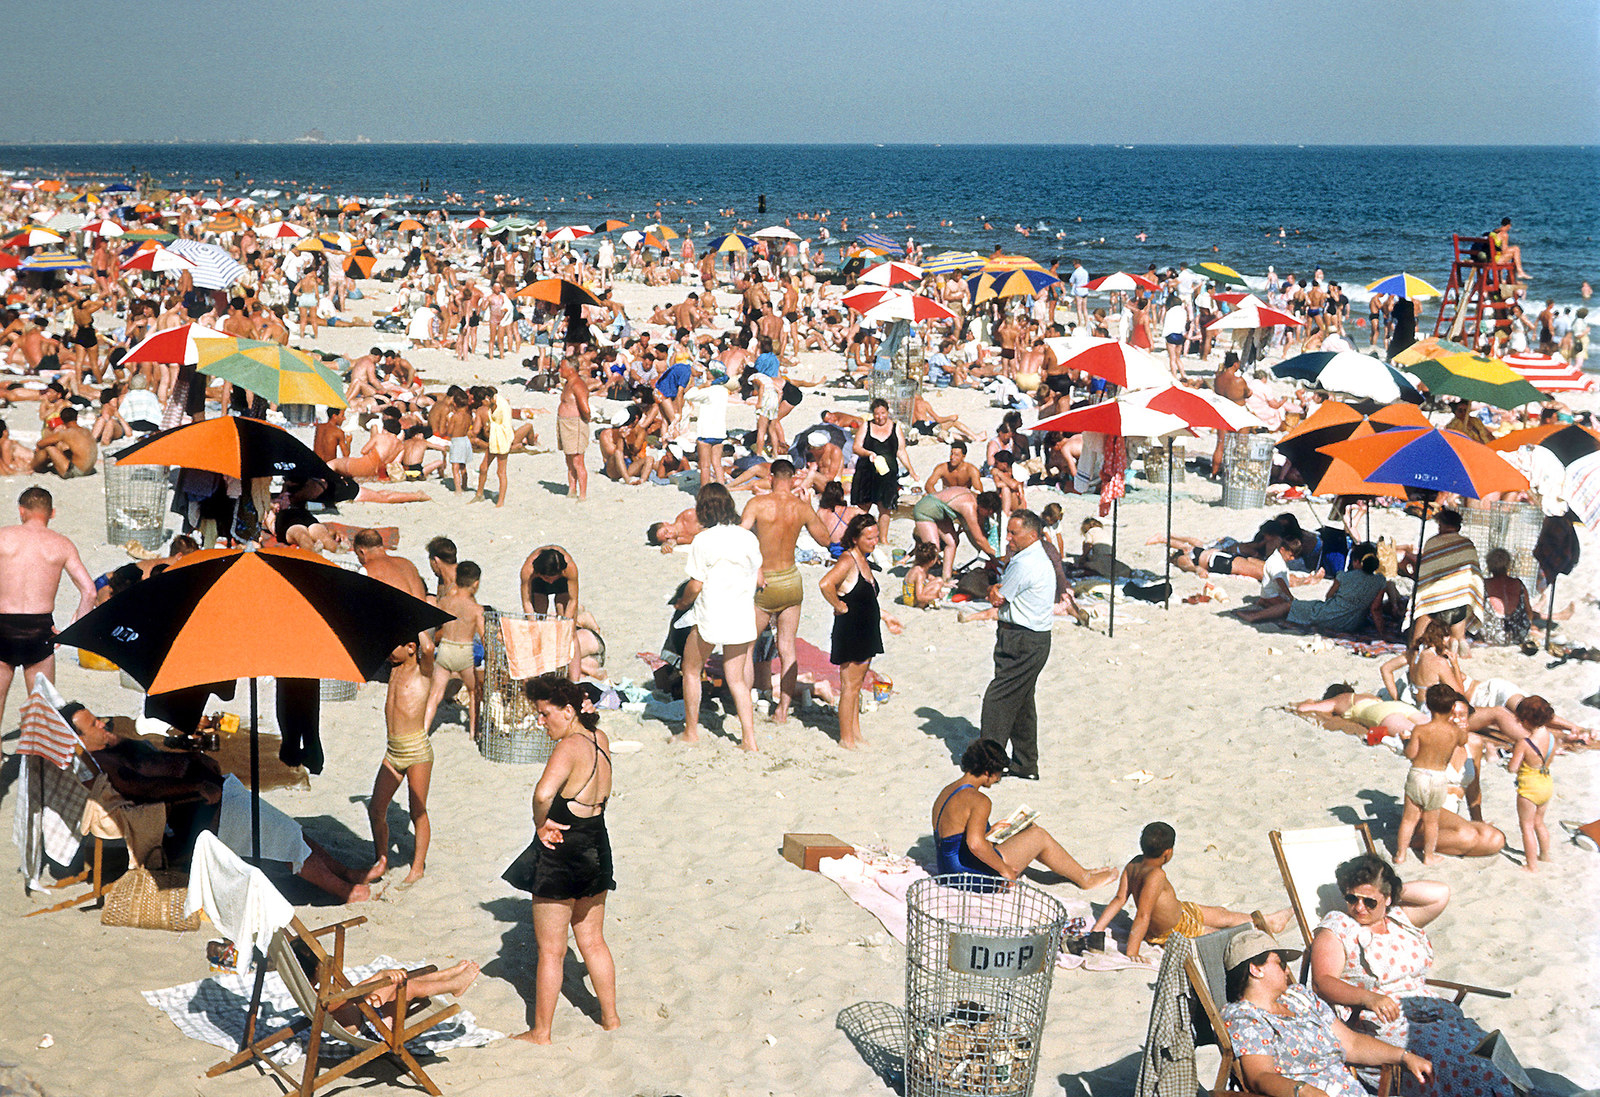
pixel 740 71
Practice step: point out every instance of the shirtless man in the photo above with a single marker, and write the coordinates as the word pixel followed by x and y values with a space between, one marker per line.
pixel 937 514
pixel 1007 335
pixel 776 519
pixel 957 472
pixel 1229 383
pixel 408 758
pixel 397 571
pixel 382 448
pixel 680 531
pixel 69 452
pixel 330 441
pixel 572 428
pixel 32 559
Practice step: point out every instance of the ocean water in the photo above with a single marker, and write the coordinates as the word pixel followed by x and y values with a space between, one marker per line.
pixel 1358 212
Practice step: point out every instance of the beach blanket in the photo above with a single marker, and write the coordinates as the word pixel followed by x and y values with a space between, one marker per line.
pixel 1372 649
pixel 213 1010
pixel 1448 576
pixel 880 890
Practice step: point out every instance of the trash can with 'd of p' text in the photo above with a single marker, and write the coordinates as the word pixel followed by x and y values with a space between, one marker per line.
pixel 980 958
pixel 1246 470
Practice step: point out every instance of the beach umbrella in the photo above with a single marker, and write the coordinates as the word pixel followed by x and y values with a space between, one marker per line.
pixel 1220 272
pixel 568 233
pixel 1404 285
pixel 1582 489
pixel 662 231
pixel 1340 479
pixel 558 291
pixel 351 206
pixel 156 258
pixel 1122 282
pixel 1568 441
pixel 409 224
pixel 730 242
pixel 651 240
pixel 1011 262
pixel 631 238
pixel 776 232
pixel 949 262
pixel 879 240
pixel 119 188
pixel 282 230
pixel 281 374
pixel 102 227
pixel 214 267
pixel 360 262
pixel 1433 346
pixel 1123 365
pixel 610 224
pixel 311 243
pixel 1349 372
pixel 141 236
pixel 49 186
pixel 907 306
pixel 892 274
pixel 52 260
pixel 1020 282
pixel 1334 422
pixel 1250 314
pixel 226 222
pixel 230 445
pixel 477 224
pixel 34 236
pixel 173 346
pixel 339 241
pixel 1476 378
pixel 220 615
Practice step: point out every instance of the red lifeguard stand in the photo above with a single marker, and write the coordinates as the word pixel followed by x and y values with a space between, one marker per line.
pixel 1479 296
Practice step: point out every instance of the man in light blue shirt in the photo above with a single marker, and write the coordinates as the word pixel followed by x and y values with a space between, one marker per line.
pixel 1079 280
pixel 1025 596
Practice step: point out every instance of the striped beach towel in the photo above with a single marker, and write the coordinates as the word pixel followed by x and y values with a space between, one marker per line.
pixel 1448 576
pixel 1550 374
pixel 45 734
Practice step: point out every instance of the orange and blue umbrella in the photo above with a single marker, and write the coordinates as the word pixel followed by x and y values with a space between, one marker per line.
pixel 1022 282
pixel 1430 459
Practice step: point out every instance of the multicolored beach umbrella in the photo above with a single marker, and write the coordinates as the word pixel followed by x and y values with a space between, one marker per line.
pixel 892 274
pixel 1225 274
pixel 949 262
pixel 230 445
pixel 53 260
pixel 1474 377
pixel 281 374
pixel 730 242
pixel 1404 285
pixel 1429 459
pixel 1348 372
pixel 880 241
pixel 1022 282
pixel 1569 442
pixel 1431 347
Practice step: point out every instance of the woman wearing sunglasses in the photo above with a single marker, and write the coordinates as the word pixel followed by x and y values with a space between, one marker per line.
pixel 1371 963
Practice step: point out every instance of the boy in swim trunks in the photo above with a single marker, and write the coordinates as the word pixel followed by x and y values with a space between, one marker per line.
pixel 409 757
pixel 453 654
pixel 1430 748
pixel 1158 912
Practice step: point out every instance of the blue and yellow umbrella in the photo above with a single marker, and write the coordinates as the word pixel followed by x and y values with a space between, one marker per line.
pixel 1023 282
pixel 1404 285
pixel 948 262
pixel 731 241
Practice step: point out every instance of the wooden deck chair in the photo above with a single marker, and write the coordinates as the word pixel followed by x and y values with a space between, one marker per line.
pixel 1307 860
pixel 320 996
pixel 39 774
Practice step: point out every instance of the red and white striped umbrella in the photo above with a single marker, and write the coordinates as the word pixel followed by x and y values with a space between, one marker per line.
pixel 174 346
pixel 477 224
pixel 1200 408
pixel 1121 282
pixel 34 236
pixel 568 233
pixel 282 230
pixel 891 274
pixel 1125 366
pixel 1251 315
pixel 895 304
pixel 157 259
pixel 103 228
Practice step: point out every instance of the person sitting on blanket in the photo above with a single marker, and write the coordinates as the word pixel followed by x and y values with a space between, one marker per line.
pixel 1158 912
pixel 193 788
pixel 961 828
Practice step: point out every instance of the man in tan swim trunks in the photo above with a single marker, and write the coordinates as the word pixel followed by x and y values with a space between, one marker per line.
pixel 408 758
pixel 776 519
pixel 454 656
pixel 572 427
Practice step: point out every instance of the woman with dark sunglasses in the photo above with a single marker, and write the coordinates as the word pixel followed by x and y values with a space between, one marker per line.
pixel 1371 961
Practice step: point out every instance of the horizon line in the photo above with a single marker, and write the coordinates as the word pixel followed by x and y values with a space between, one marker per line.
pixel 360 142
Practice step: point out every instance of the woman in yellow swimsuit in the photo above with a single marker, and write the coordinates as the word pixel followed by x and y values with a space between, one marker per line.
pixel 1535 786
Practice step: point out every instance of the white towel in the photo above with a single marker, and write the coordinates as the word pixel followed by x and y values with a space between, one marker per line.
pixel 239 900
pixel 281 837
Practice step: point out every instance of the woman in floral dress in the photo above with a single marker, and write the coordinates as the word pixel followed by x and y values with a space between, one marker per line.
pixel 1371 964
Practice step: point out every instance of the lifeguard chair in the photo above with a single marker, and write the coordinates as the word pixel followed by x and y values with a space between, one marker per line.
pixel 1480 294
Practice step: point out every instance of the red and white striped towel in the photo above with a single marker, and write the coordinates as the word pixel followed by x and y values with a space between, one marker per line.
pixel 1549 374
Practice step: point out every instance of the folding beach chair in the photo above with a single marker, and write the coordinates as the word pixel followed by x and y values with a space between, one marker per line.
pixel 1307 860
pixel 325 990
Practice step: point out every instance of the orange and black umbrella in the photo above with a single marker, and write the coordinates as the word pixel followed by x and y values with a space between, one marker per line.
pixel 1335 422
pixel 359 263
pixel 558 291
pixel 231 445
pixel 1568 441
pixel 611 225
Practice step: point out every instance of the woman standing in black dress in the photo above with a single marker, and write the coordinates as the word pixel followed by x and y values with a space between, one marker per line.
pixel 880 455
pixel 567 867
pixel 853 593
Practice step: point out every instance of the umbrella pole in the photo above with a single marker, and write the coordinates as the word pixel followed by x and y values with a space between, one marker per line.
pixel 1550 616
pixel 1168 603
pixel 1111 619
pixel 1422 535
pixel 255 780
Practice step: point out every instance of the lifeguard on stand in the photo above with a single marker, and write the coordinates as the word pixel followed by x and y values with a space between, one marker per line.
pixel 1485 279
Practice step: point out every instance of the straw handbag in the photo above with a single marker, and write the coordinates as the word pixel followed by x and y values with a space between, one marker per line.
pixel 146 899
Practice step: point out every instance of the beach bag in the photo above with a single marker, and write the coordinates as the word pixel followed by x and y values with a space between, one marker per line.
pixel 149 899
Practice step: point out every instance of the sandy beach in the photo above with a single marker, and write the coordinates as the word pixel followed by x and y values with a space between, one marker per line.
pixel 734 966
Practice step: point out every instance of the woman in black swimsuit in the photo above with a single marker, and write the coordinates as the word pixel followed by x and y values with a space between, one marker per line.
pixel 878 442
pixel 853 593
pixel 567 867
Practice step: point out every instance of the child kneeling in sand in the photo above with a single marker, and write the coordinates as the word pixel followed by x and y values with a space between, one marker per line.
pixel 1159 913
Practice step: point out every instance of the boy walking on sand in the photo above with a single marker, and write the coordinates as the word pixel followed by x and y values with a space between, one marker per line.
pixel 453 655
pixel 409 757
pixel 457 427
pixel 1430 749
pixel 1158 912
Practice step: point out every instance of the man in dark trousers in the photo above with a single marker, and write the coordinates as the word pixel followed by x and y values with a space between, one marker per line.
pixel 1025 597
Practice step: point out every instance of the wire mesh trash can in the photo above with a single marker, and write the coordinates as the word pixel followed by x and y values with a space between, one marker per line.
pixel 899 389
pixel 1155 463
pixel 136 504
pixel 335 690
pixel 1511 526
pixel 979 963
pixel 508 726
pixel 1246 470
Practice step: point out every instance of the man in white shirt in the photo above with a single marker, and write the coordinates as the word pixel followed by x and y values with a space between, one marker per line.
pixel 1025 596
pixel 1174 330
pixel 1079 280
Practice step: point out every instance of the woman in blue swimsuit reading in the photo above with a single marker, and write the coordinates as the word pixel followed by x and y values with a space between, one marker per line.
pixel 961 828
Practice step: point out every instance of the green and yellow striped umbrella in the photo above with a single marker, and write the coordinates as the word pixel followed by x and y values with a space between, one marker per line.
pixel 1474 377
pixel 1431 347
pixel 281 374
pixel 1221 272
